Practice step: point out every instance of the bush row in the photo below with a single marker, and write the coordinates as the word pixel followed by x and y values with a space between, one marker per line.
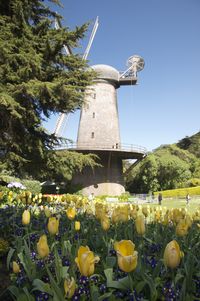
pixel 31 185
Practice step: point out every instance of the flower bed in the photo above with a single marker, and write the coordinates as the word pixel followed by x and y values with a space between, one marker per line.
pixel 67 248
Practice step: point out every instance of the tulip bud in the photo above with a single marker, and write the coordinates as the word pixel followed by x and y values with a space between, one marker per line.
pixel 188 220
pixel 47 211
pixel 140 224
pixel 172 254
pixel 15 267
pixel 77 225
pixel 26 217
pixel 42 246
pixel 182 228
pixel 105 223
pixel 53 225
pixel 69 287
pixel 165 220
pixel 145 211
pixel 71 213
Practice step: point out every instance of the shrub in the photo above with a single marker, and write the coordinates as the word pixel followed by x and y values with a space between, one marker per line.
pixel 32 186
pixel 193 182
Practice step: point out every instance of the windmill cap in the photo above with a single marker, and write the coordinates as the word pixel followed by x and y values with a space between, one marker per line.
pixel 106 72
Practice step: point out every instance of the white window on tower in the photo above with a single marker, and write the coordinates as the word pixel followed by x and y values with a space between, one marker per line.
pixel 93 115
pixel 92 135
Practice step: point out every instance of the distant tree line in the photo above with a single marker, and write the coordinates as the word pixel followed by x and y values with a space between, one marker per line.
pixel 167 167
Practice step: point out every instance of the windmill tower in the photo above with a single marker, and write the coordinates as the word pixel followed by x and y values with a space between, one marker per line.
pixel 99 127
pixel 99 131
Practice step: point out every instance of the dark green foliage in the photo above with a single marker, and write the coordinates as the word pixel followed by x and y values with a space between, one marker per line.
pixel 36 80
pixel 191 144
pixel 168 167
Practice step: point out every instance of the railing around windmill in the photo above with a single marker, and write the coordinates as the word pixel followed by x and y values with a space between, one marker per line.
pixel 117 147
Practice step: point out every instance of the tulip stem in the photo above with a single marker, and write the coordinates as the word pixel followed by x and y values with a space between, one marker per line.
pixel 130 282
pixel 173 277
pixel 28 237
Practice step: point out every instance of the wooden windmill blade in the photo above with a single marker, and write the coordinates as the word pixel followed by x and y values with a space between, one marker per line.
pixel 64 116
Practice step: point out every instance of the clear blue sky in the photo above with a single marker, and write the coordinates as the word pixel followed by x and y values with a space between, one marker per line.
pixel 165 105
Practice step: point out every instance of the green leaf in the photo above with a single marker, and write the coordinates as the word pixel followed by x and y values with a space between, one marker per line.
pixel 56 288
pixel 152 287
pixel 14 290
pixel 58 265
pixel 42 286
pixel 139 287
pixel 10 254
pixel 27 263
pixel 123 283
pixel 29 297
pixel 109 274
pixel 22 297
pixel 64 272
pixel 105 296
pixel 178 277
pixel 66 247
pixel 110 261
pixel 94 292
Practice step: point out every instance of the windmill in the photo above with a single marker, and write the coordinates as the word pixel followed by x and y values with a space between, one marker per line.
pixel 99 132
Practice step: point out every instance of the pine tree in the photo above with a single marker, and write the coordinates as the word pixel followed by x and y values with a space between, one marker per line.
pixel 36 80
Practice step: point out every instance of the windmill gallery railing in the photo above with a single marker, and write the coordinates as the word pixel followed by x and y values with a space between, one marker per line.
pixel 103 146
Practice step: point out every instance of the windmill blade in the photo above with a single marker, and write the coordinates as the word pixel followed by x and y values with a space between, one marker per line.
pixel 66 47
pixel 59 124
pixel 63 116
pixel 96 24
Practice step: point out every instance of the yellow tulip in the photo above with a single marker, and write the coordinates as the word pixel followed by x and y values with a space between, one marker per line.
pixel 105 223
pixel 69 287
pixel 26 217
pixel 86 261
pixel 188 220
pixel 157 215
pixel 145 211
pixel 77 225
pixel 165 220
pixel 126 255
pixel 120 214
pixel 16 268
pixel 124 213
pixel 115 216
pixel 71 213
pixel 133 212
pixel 47 211
pixel 53 225
pixel 42 246
pixel 140 224
pixel 182 228
pixel 172 254
pixel 177 215
pixel 99 210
